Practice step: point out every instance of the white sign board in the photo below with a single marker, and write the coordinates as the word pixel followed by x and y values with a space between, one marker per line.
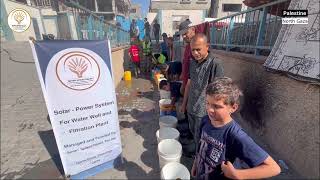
pixel 77 83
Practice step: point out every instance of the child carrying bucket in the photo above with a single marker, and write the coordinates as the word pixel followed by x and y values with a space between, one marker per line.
pixel 222 140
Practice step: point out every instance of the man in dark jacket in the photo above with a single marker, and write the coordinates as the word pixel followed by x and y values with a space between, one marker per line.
pixel 204 68
pixel 156 30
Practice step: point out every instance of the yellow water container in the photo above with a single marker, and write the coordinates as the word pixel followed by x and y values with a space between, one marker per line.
pixel 127 75
pixel 128 84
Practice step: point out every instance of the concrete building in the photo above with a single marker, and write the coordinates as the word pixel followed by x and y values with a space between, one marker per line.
pixel 135 11
pixel 109 9
pixel 44 19
pixel 171 13
pixel 64 19
pixel 222 8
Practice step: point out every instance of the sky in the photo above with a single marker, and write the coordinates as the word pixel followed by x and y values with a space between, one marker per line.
pixel 144 6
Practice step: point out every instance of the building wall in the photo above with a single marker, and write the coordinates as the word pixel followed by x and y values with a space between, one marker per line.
pixel 219 13
pixel 137 14
pixel 73 28
pixel 179 5
pixel 51 26
pixel 6 32
pixel 151 17
pixel 34 13
pixel 195 16
pixel 48 12
pixel 282 112
pixel 64 26
pixel 118 61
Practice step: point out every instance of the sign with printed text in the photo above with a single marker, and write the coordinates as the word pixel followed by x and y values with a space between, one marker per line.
pixel 295 17
pixel 77 84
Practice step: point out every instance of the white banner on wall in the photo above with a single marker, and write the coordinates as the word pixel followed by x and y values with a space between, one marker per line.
pixel 296 50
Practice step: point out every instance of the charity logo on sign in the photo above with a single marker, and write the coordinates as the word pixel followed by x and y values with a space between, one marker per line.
pixel 77 70
pixel 19 20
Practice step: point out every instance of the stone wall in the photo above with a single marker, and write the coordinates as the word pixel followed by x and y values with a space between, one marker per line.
pixel 119 64
pixel 281 111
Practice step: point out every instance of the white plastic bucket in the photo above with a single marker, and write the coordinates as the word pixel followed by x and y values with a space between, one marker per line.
pixel 164 102
pixel 166 109
pixel 167 133
pixel 174 170
pixel 169 150
pixel 165 94
pixel 165 160
pixel 168 121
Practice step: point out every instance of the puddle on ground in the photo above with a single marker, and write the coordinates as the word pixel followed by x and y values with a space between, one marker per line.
pixel 41 170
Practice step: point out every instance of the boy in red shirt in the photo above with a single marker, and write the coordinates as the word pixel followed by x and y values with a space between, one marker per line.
pixel 135 58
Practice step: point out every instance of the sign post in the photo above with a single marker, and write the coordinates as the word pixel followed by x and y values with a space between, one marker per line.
pixel 77 83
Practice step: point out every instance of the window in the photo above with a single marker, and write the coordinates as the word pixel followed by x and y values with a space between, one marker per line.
pixel 202 2
pixel 231 7
pixel 22 1
pixel 133 10
pixel 104 5
pixel 176 20
pixel 185 2
pixel 89 4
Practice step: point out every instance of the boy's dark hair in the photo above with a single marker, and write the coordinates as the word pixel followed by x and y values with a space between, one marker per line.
pixel 163 83
pixel 224 88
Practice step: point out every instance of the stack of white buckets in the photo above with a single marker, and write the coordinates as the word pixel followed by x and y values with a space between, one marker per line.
pixel 170 150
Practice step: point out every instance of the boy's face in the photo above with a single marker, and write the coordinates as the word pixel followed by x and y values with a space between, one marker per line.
pixel 166 87
pixel 217 110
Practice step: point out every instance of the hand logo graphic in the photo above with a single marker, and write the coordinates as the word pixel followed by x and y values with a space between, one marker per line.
pixel 19 17
pixel 78 67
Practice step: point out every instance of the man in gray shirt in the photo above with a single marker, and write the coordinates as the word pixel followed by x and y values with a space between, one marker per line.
pixel 204 67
